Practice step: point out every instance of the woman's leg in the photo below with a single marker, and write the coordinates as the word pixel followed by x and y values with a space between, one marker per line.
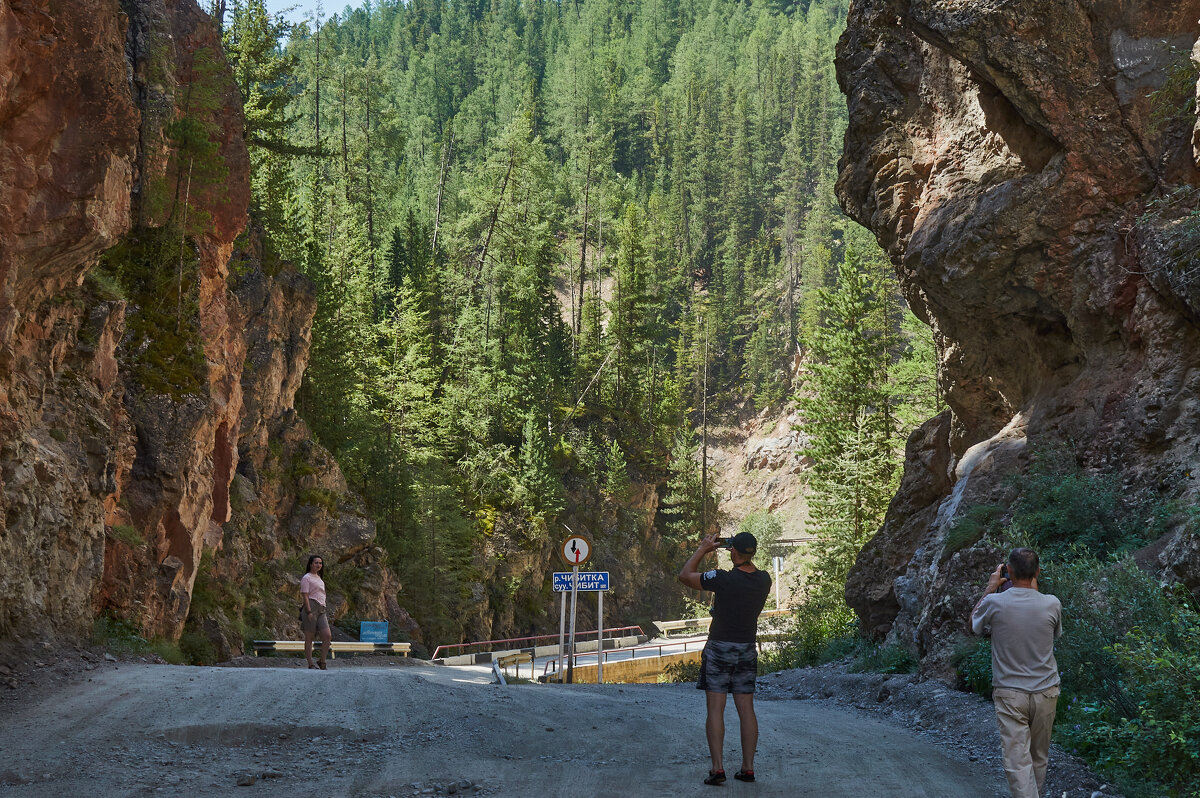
pixel 308 641
pixel 326 638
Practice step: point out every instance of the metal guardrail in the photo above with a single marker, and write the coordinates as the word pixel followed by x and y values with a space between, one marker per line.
pixel 633 653
pixel 440 651
pixel 343 646
pixel 698 625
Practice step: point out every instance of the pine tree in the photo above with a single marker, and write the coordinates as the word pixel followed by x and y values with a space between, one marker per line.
pixel 848 416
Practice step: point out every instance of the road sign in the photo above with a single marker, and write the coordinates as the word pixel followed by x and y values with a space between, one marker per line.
pixel 373 631
pixel 589 581
pixel 576 550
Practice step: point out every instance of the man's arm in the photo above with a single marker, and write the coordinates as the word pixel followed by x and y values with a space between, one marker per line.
pixel 994 582
pixel 690 573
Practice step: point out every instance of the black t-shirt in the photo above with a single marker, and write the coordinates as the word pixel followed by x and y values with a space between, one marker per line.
pixel 740 597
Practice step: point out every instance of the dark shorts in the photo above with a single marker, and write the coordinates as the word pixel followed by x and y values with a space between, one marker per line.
pixel 728 667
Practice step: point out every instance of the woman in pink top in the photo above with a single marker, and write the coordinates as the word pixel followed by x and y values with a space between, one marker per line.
pixel 312 610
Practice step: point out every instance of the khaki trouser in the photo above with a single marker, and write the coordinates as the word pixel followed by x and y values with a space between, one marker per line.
pixel 1025 721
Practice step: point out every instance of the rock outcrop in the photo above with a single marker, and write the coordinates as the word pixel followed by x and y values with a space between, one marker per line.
pixel 288 497
pixel 1029 167
pixel 136 388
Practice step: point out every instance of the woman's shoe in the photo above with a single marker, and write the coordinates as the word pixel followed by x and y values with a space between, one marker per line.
pixel 321 664
pixel 715 777
pixel 744 775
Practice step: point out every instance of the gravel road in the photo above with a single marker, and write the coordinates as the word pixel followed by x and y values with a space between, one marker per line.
pixel 141 729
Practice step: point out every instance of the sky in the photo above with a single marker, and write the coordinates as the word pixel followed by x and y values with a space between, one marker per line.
pixel 303 7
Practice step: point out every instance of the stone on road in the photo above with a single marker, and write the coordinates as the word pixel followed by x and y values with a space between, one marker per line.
pixel 360 731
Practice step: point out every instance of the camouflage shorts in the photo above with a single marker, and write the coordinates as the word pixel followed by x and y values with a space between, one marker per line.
pixel 728 667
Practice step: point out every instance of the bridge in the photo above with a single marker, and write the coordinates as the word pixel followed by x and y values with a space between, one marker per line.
pixel 625 655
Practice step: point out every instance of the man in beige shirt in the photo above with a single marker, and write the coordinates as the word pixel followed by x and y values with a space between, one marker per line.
pixel 1023 625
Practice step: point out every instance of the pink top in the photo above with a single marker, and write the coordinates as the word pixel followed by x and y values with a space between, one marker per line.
pixel 313 586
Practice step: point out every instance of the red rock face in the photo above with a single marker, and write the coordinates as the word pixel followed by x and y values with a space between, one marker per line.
pixel 68 135
pixel 1004 154
pixel 108 491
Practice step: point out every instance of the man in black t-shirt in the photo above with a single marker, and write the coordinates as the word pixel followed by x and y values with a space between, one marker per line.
pixel 729 662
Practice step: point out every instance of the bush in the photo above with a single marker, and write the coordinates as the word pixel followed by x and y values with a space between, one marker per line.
pixel 821 629
pixel 973 663
pixel 681 672
pixel 121 637
pixel 1130 663
pixel 128 535
pixel 196 648
pixel 874 658
pixel 1063 505
pixel 969 527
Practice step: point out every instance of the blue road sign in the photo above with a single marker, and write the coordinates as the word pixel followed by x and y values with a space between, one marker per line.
pixel 372 631
pixel 589 581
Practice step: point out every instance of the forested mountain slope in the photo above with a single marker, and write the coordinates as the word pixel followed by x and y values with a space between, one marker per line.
pixel 540 233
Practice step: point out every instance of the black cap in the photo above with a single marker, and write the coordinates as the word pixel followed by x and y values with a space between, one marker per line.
pixel 743 542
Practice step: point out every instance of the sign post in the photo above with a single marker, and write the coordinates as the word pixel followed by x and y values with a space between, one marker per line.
pixel 571 637
pixel 576 550
pixel 562 634
pixel 778 563
pixel 600 637
pixel 573 582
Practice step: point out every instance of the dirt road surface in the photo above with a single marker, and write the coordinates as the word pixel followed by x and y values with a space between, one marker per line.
pixel 134 730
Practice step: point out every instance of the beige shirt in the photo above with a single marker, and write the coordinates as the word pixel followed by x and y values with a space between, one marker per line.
pixel 1023 625
pixel 313 586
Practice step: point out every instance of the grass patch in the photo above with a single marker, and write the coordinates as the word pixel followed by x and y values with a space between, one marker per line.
pixel 321 497
pixel 970 527
pixel 128 535
pixel 106 284
pixel 157 271
pixel 120 637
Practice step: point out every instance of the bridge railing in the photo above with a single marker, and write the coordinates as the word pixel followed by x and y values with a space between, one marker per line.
pixel 507 643
pixel 694 626
pixel 644 651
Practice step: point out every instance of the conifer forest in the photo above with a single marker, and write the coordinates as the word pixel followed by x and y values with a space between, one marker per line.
pixel 551 241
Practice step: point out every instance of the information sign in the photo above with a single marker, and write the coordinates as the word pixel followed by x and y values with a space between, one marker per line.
pixel 589 581
pixel 372 631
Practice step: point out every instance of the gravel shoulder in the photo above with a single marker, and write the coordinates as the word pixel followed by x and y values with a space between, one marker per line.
pixel 383 726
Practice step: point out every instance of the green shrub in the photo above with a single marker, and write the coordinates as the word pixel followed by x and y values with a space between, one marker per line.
pixel 196 648
pixel 970 526
pixel 1130 663
pixel 320 497
pixel 821 629
pixel 107 286
pixel 875 658
pixel 973 664
pixel 1062 505
pixel 128 535
pixel 681 672
pixel 121 637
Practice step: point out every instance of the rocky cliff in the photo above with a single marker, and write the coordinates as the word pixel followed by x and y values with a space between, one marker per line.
pixel 141 381
pixel 1030 168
